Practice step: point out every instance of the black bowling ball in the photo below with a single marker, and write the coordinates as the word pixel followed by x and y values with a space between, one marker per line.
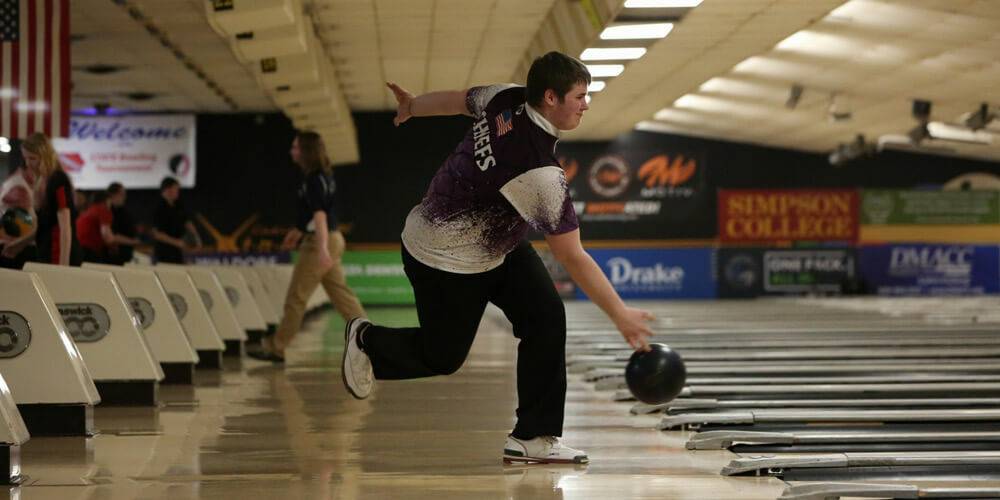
pixel 657 376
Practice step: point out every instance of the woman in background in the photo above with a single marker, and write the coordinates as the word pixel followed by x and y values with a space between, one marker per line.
pixel 320 245
pixel 56 207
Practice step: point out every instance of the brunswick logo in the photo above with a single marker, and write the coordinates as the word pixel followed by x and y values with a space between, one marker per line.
pixel 659 171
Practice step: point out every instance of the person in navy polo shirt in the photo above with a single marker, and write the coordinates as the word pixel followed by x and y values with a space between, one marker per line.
pixel 465 245
pixel 171 223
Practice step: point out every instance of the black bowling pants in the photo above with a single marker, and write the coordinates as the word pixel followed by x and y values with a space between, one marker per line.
pixel 450 306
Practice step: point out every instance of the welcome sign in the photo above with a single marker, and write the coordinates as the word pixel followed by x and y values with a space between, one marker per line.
pixel 137 151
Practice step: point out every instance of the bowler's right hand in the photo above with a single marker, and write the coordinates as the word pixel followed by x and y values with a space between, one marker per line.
pixel 634 326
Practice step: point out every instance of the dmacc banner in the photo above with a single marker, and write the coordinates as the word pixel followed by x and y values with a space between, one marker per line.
pixel 137 151
pixel 673 273
pixel 920 269
pixel 747 216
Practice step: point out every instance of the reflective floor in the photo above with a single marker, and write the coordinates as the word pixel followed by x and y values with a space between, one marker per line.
pixel 258 431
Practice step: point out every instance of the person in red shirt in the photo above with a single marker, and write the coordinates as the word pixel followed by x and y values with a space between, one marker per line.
pixel 93 229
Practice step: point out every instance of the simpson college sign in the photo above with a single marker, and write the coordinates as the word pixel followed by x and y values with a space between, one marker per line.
pixel 138 151
pixel 787 215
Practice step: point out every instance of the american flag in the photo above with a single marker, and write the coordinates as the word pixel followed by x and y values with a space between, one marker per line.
pixel 504 123
pixel 34 67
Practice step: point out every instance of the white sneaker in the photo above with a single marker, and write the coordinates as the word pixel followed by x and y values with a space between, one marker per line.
pixel 356 367
pixel 542 450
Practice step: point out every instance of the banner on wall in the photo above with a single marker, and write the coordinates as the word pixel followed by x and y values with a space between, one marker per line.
pixel 377 277
pixel 787 215
pixel 239 259
pixel 752 272
pixel 677 273
pixel 137 151
pixel 892 207
pixel 638 192
pixel 919 269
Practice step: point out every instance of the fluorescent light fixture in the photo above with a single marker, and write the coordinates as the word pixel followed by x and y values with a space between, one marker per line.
pixel 613 54
pixel 4 144
pixel 692 101
pixel 948 132
pixel 8 92
pixel 587 97
pixel 596 86
pixel 605 70
pixel 660 4
pixel 823 44
pixel 636 31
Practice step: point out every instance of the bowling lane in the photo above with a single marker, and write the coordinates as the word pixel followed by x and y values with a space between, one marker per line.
pixel 255 429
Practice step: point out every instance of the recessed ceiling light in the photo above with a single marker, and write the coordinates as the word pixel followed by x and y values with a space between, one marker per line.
pixel 636 31
pixel 612 54
pixel 595 86
pixel 605 70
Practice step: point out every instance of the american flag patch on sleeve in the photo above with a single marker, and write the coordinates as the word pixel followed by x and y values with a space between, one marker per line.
pixel 504 123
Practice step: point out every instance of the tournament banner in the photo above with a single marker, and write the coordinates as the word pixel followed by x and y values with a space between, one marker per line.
pixel 135 150
pixel 638 192
pixel 377 277
pixel 674 273
pixel 752 272
pixel 757 216
pixel 894 207
pixel 919 269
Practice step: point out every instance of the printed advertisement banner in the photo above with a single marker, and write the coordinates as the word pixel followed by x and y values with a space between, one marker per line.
pixel 677 273
pixel 137 151
pixel 638 192
pixel 752 272
pixel 377 277
pixel 787 215
pixel 918 269
pixel 881 207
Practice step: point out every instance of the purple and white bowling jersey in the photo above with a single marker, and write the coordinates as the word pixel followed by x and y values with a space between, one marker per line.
pixel 501 180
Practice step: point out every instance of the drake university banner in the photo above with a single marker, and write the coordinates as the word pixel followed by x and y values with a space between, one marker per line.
pixel 137 151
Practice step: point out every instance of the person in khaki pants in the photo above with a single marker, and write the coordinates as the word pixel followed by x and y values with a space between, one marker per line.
pixel 320 244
